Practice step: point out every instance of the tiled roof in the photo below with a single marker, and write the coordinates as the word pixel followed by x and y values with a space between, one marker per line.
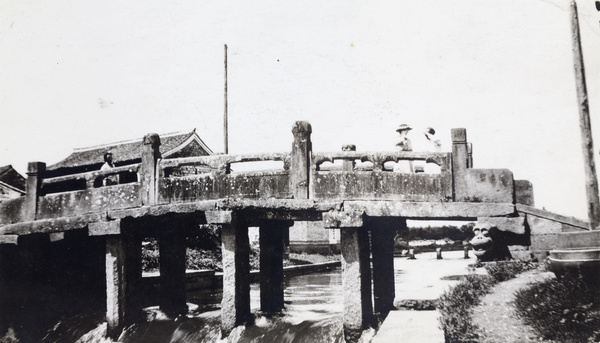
pixel 126 152
pixel 11 177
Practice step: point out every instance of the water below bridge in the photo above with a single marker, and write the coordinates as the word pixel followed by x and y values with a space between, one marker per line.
pixel 313 309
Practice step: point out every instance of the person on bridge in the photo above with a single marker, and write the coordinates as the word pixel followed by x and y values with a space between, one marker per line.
pixel 433 145
pixel 108 165
pixel 404 144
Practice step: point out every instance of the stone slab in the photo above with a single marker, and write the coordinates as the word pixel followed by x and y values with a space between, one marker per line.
pixel 514 225
pixel 340 219
pixel 105 228
pixel 430 210
pixel 570 221
pixel 409 327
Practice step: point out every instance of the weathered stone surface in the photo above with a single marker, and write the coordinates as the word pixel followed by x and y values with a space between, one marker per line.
pixel 11 211
pixel 356 279
pixel 340 219
pixel 511 224
pixel 123 281
pixel 309 237
pixel 524 192
pixel 90 200
pixel 104 228
pixel 51 225
pixel 429 210
pixel 256 185
pixel 384 292
pixel 235 306
pixel 584 239
pixel 219 217
pixel 9 239
pixel 382 185
pixel 489 243
pixel 35 170
pixel 300 185
pixel 416 327
pixel 485 185
pixel 573 222
pixel 271 265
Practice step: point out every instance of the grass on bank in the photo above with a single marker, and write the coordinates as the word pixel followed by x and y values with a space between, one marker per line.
pixel 566 310
pixel 456 305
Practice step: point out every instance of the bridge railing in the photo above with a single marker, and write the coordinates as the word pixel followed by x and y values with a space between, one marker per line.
pixel 374 180
pixel 214 177
pixel 302 176
pixel 93 179
pixel 217 163
pixel 378 158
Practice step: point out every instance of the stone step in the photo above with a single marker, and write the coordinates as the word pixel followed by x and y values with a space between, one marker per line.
pixel 410 327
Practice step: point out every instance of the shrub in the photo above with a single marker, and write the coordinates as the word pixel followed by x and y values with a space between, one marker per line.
pixel 567 310
pixel 506 270
pixel 456 305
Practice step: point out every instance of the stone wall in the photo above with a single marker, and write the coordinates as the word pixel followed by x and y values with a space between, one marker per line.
pixel 310 238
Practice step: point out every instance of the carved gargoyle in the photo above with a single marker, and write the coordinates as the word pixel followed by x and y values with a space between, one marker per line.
pixel 489 244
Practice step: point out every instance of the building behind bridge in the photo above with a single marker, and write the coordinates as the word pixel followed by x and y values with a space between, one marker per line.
pixel 12 183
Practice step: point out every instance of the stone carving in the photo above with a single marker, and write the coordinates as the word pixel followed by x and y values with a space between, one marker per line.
pixel 488 243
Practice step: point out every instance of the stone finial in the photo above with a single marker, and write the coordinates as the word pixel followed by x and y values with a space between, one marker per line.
pixel 152 139
pixel 459 135
pixel 348 147
pixel 302 126
pixel 35 168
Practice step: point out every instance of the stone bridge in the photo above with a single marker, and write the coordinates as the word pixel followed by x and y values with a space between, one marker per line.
pixel 71 227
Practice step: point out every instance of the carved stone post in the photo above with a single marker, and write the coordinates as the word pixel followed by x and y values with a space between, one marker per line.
pixel 35 170
pixel 123 280
pixel 172 245
pixel 300 160
pixel 382 241
pixel 460 162
pixel 148 169
pixel 271 237
pixel 348 165
pixel 235 307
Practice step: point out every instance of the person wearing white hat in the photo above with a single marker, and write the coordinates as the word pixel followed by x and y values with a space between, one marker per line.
pixel 404 144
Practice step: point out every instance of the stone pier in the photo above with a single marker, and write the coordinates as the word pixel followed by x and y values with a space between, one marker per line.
pixel 235 306
pixel 172 245
pixel 271 240
pixel 383 232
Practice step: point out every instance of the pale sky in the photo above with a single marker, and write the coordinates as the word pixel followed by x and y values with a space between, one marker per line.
pixel 80 73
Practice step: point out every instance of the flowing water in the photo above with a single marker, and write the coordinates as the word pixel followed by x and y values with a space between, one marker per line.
pixel 313 312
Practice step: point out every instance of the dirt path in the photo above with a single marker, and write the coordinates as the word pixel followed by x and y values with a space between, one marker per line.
pixel 496 314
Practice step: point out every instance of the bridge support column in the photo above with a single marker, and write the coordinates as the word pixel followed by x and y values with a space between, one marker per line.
pixel 172 245
pixel 235 307
pixel 356 271
pixel 271 238
pixel 382 241
pixel 123 279
pixel 356 280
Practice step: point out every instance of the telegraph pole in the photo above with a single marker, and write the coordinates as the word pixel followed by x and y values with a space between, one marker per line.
pixel 225 128
pixel 591 181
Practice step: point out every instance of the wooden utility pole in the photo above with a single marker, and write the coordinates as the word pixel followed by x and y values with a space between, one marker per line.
pixel 591 182
pixel 225 128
